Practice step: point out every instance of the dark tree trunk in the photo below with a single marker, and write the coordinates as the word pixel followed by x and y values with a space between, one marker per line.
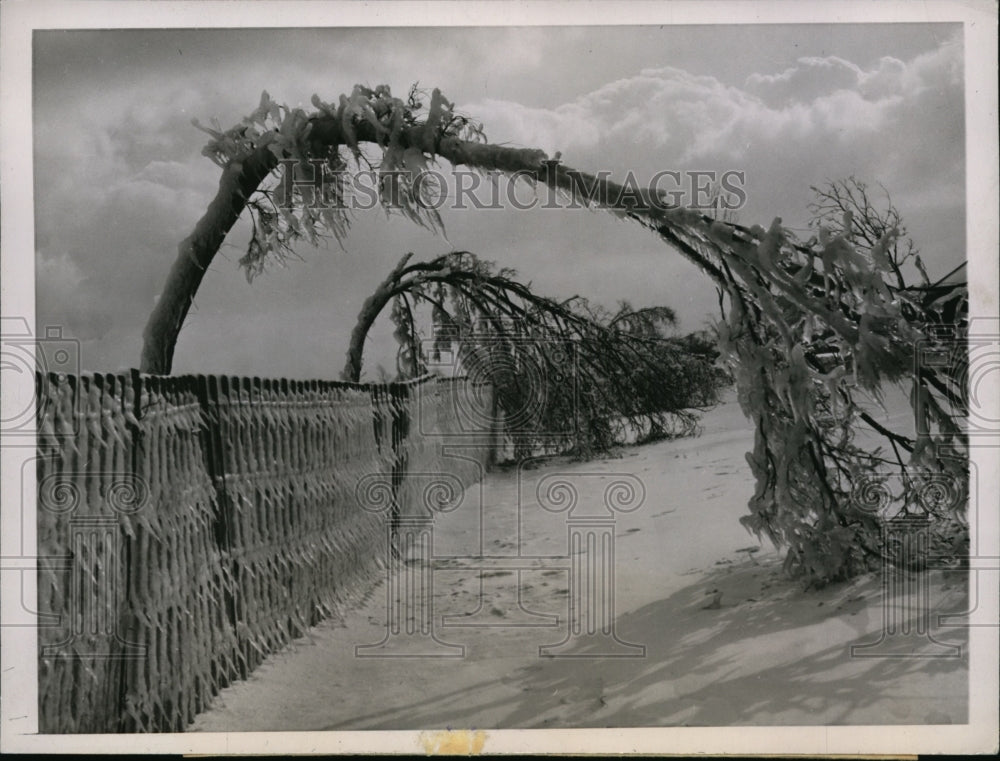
pixel 371 309
pixel 195 253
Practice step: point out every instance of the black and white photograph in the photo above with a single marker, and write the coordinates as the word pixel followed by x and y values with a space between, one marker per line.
pixel 400 377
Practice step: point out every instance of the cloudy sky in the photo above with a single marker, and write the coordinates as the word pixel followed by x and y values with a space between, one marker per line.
pixel 119 178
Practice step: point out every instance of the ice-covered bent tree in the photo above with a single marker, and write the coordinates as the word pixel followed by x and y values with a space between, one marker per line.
pixel 810 330
pixel 587 377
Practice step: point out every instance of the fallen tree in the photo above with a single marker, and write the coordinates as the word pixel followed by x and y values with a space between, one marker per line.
pixel 587 376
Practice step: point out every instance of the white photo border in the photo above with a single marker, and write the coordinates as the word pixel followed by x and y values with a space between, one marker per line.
pixel 18 662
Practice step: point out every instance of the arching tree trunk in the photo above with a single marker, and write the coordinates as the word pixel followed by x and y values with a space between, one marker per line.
pixel 775 285
pixel 195 254
pixel 242 177
pixel 371 309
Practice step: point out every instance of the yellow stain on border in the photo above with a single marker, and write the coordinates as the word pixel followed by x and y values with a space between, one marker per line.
pixel 453 742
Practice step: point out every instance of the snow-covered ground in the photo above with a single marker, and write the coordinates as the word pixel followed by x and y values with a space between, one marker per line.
pixel 727 639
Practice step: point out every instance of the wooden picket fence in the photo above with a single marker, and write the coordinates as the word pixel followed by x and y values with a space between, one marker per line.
pixel 188 526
